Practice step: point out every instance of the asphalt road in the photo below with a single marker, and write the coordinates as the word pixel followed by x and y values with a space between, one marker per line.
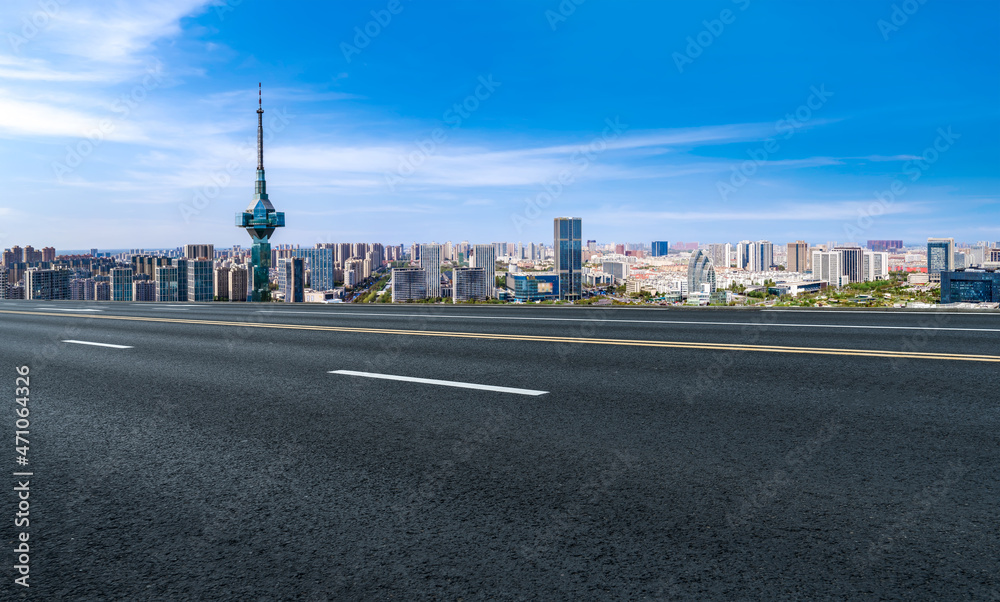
pixel 675 454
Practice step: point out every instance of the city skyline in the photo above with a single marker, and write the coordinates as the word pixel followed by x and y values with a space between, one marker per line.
pixel 653 129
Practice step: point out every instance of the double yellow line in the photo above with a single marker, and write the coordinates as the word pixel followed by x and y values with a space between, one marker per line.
pixel 546 339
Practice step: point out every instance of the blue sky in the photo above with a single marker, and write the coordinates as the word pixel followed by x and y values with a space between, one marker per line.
pixel 126 124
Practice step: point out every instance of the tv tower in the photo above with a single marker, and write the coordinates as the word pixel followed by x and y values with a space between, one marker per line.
pixel 260 219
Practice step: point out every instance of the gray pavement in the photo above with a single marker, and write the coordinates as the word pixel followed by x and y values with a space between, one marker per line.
pixel 219 458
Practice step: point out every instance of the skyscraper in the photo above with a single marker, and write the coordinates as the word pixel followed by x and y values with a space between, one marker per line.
pixel 763 256
pixel 827 266
pixel 940 257
pixel 260 219
pixel 121 284
pixel 568 257
pixel 661 248
pixel 484 256
pixel 852 263
pixel 430 263
pixel 321 267
pixel 200 286
pixel 798 253
pixel 743 254
pixel 182 278
pixel 291 279
pixel 221 291
pixel 700 272
pixel 166 284
pixel 239 283
pixel 199 251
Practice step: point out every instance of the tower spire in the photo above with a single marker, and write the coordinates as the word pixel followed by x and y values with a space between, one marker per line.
pixel 260 130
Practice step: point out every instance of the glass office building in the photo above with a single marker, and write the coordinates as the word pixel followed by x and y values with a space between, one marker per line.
pixel 700 271
pixel 199 280
pixel 430 262
pixel 568 249
pixel 940 257
pixel 291 279
pixel 121 284
pixel 321 267
pixel 660 248
pixel 534 287
pixel 970 286
pixel 182 278
pixel 166 284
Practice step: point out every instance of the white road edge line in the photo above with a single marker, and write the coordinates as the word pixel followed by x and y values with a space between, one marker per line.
pixel 99 344
pixel 65 309
pixel 444 383
pixel 626 321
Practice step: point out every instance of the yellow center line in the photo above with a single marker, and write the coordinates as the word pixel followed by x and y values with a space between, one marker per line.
pixel 544 339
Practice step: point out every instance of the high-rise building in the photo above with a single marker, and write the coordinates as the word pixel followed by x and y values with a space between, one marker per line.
pixel 102 291
pixel 885 245
pixel 291 279
pixel 618 270
pixel 484 256
pixel 46 284
pixel 940 257
pixel 221 291
pixel 701 273
pixel 48 253
pixel 182 278
pixel 239 283
pixel 4 285
pixel 200 281
pixel 471 283
pixel 852 263
pixel 143 290
pixel 147 264
pixel 875 266
pixel 199 251
pixel 568 257
pixel 166 284
pixel 121 284
pixel 321 267
pixel 827 266
pixel 592 246
pixel 797 258
pixel 260 219
pixel 744 252
pixel 430 263
pixel 763 256
pixel 409 284
pixel 661 248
